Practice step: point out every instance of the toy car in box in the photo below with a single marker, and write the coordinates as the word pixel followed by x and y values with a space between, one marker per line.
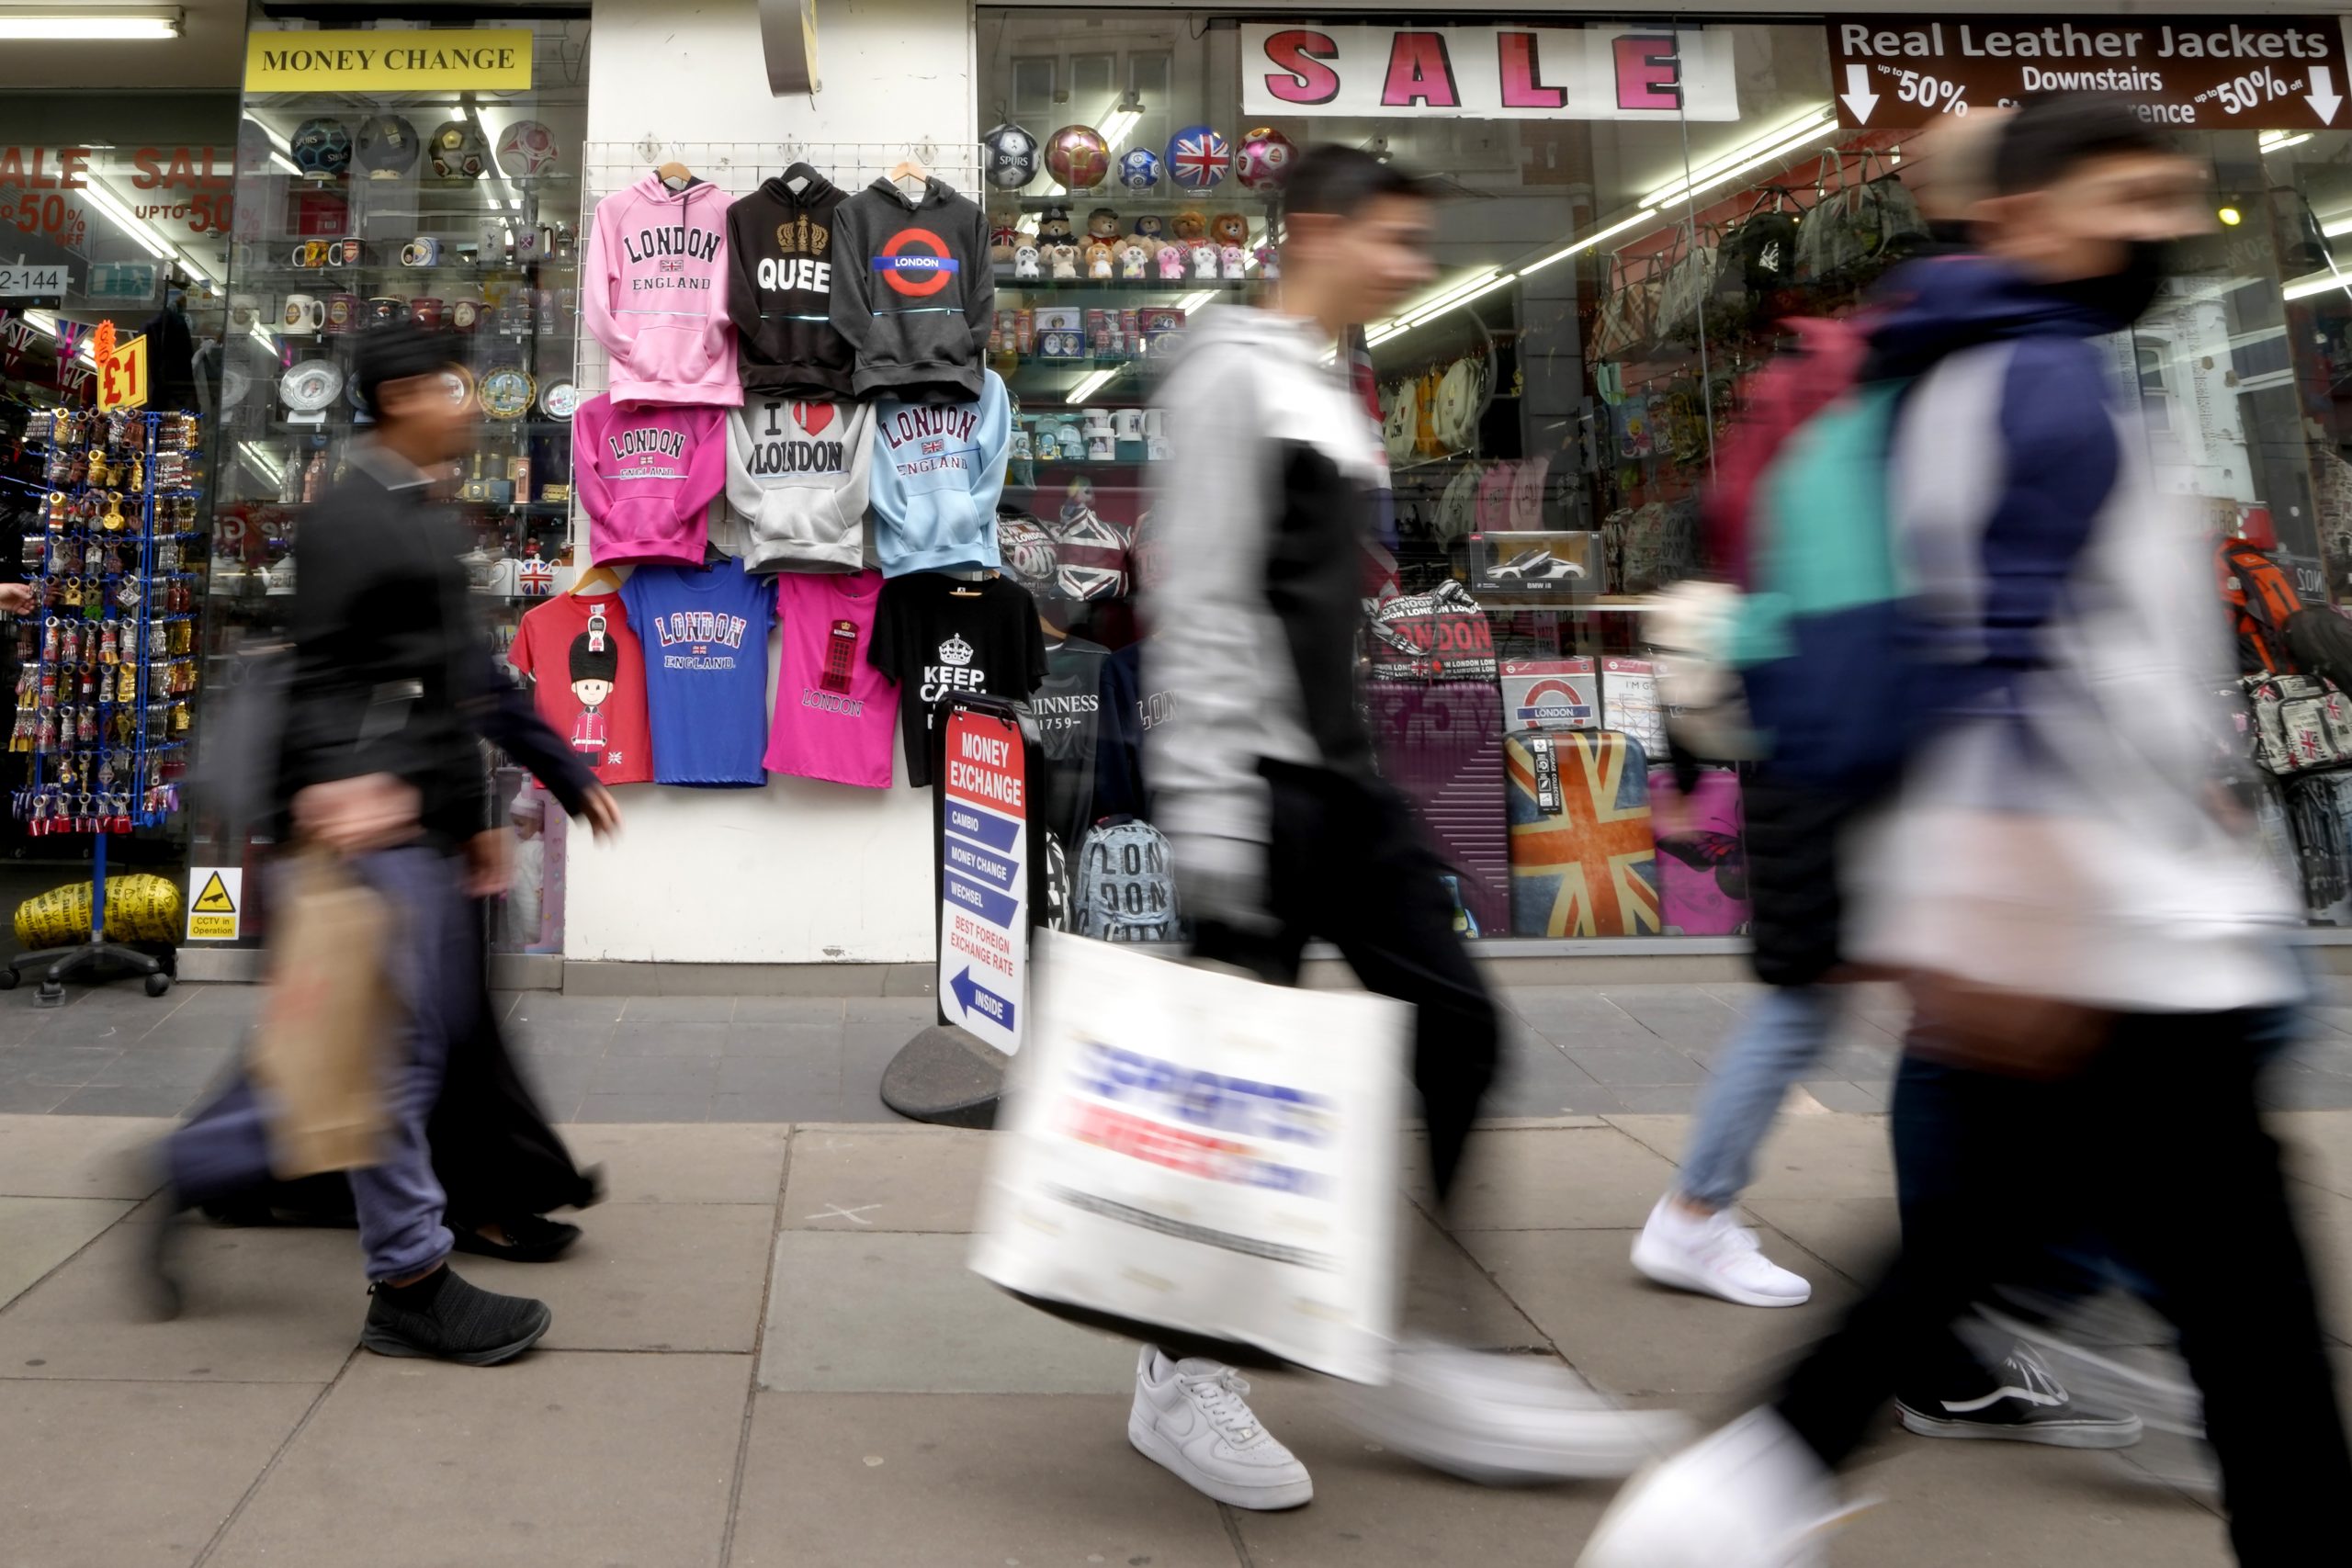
pixel 1547 565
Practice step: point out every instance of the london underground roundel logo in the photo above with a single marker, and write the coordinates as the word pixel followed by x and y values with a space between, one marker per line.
pixel 915 263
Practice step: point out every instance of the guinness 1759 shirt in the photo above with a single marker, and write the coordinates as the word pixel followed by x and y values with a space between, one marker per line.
pixel 938 636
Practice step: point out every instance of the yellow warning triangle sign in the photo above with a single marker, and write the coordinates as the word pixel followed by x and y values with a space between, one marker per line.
pixel 215 899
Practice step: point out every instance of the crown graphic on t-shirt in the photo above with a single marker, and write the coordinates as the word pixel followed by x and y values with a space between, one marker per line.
pixel 955 651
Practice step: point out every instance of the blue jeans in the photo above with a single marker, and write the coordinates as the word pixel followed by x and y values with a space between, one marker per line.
pixel 224 1148
pixel 1784 1035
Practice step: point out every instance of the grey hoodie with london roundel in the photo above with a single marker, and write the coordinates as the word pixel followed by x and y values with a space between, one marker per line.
pixel 796 477
pixel 914 291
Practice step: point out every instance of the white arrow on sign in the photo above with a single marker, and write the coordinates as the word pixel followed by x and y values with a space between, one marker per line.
pixel 1857 95
pixel 2323 98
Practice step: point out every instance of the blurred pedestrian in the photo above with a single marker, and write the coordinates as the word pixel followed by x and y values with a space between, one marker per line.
pixel 1281 827
pixel 2094 957
pixel 390 695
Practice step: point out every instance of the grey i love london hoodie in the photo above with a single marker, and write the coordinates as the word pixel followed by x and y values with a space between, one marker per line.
pixel 913 291
pixel 797 476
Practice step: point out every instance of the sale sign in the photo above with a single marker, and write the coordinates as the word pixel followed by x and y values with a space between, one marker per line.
pixel 984 876
pixel 1603 71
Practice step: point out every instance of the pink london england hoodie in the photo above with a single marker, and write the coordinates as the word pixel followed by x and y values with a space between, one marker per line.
pixel 647 475
pixel 653 289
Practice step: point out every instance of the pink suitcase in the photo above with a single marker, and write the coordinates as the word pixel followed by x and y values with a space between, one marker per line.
pixel 1442 746
pixel 1702 857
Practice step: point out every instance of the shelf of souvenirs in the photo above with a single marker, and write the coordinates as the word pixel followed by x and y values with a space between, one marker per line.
pixel 1009 280
pixel 1171 199
pixel 456 268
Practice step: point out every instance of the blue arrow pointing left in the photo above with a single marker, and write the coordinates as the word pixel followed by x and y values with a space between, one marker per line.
pixel 971 996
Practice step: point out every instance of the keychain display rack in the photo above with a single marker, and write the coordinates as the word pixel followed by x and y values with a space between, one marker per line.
pixel 107 654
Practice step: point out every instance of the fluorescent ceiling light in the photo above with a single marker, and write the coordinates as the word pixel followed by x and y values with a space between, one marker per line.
pixel 104 202
pixel 106 23
pixel 2279 141
pixel 1766 148
pixel 1085 388
pixel 2336 226
pixel 1195 299
pixel 1644 216
pixel 2315 283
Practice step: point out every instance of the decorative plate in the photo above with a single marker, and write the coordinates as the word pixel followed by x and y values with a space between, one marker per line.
pixel 461 385
pixel 311 386
pixel 507 392
pixel 234 385
pixel 559 399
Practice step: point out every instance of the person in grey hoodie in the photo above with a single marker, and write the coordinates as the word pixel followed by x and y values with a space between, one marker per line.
pixel 914 291
pixel 797 480
pixel 1282 828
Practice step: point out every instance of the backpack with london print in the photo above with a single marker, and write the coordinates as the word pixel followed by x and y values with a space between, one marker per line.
pixel 1124 885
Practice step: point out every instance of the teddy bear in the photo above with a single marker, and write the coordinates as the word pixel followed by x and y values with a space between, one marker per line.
pixel 1053 226
pixel 1025 261
pixel 1134 258
pixel 1190 227
pixel 1098 260
pixel 1229 228
pixel 1150 228
pixel 1003 240
pixel 1061 258
pixel 1204 260
pixel 1171 263
pixel 1269 262
pixel 1103 224
pixel 1234 260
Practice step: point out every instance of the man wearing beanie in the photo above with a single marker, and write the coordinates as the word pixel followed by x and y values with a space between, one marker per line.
pixel 390 695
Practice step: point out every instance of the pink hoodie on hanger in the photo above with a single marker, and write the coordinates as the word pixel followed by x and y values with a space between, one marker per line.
pixel 647 474
pixel 653 289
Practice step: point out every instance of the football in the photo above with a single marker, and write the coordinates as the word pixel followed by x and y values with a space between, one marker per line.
pixel 1263 158
pixel 1009 157
pixel 1139 168
pixel 526 151
pixel 388 144
pixel 322 147
pixel 1077 155
pixel 1198 158
pixel 458 151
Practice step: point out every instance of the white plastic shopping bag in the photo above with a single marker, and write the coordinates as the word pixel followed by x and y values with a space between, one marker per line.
pixel 1185 1148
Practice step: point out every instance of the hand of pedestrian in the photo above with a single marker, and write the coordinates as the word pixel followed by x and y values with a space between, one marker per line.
pixel 603 813
pixel 17 598
pixel 490 863
pixel 353 816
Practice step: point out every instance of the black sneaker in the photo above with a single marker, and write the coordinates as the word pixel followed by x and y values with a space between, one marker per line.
pixel 2028 1406
pixel 443 1317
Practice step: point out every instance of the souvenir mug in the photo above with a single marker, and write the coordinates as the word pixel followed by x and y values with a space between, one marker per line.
pixel 345 312
pixel 244 312
pixel 346 252
pixel 386 309
pixel 465 314
pixel 302 315
pixel 1129 423
pixel 425 311
pixel 310 253
pixel 423 250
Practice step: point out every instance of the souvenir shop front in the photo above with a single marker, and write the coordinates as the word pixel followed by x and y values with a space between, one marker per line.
pixel 115 209
pixel 764 535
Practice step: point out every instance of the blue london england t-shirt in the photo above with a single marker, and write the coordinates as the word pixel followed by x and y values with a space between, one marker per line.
pixel 705 631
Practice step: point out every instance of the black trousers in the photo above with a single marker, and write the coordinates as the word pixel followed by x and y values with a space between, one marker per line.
pixel 2158 1148
pixel 1348 863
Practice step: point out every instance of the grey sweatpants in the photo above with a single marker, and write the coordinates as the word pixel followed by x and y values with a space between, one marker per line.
pixel 224 1148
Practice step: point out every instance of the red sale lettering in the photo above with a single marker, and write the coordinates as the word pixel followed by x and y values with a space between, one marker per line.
pixel 1420 72
pixel 1523 74
pixel 1649 71
pixel 1303 54
pixel 31 167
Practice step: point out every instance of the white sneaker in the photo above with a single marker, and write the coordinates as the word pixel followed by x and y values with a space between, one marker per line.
pixel 1751 1495
pixel 1190 1416
pixel 1716 1256
pixel 1502 1419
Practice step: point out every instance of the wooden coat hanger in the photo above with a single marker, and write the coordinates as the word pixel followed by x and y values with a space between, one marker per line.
pixel 906 168
pixel 595 582
pixel 675 175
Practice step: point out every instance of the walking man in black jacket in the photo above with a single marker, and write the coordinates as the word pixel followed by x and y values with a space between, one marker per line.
pixel 391 694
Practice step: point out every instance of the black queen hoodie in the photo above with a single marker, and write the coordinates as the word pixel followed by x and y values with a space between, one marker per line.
pixel 780 289
pixel 914 291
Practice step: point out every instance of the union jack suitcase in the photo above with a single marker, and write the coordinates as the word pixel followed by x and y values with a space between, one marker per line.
pixel 2302 723
pixel 2319 808
pixel 1702 861
pixel 1442 746
pixel 1582 860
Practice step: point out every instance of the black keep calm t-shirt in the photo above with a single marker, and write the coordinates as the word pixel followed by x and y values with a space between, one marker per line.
pixel 938 636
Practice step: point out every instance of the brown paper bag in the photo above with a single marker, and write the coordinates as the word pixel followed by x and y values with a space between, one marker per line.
pixel 319 1059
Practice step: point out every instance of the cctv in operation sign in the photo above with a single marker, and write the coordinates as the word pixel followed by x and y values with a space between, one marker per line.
pixel 2189 72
